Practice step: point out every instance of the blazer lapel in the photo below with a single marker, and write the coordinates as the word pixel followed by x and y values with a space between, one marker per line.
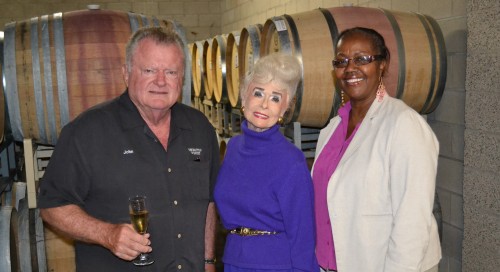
pixel 364 130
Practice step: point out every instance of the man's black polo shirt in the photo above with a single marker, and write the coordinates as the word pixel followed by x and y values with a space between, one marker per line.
pixel 108 154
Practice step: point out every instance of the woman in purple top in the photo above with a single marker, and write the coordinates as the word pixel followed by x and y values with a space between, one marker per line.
pixel 264 191
pixel 375 171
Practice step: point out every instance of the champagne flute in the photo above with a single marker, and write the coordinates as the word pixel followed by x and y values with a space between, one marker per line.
pixel 139 217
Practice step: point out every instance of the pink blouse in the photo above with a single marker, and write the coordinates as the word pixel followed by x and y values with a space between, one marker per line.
pixel 324 166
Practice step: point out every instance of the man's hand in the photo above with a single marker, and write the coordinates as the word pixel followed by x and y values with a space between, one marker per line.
pixel 126 243
pixel 120 239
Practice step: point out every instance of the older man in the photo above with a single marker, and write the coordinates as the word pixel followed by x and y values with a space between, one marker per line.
pixel 142 142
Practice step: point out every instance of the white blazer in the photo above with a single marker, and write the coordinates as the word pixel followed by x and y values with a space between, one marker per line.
pixel 381 195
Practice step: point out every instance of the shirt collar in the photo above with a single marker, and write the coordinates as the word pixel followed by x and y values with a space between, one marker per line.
pixel 345 110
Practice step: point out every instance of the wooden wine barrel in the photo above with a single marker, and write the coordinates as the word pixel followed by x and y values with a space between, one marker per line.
pixel 190 52
pixel 222 150
pixel 27 239
pixel 219 82
pixel 416 74
pixel 3 107
pixel 208 69
pixel 232 67
pixel 249 53
pixel 197 68
pixel 56 66
pixel 21 233
pixel 6 259
pixel 60 252
pixel 417 70
pixel 308 36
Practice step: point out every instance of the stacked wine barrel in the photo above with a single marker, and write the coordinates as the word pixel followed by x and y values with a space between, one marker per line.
pixel 416 74
pixel 3 121
pixel 22 244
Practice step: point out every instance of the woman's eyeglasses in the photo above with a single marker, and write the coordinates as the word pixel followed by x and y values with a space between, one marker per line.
pixel 358 61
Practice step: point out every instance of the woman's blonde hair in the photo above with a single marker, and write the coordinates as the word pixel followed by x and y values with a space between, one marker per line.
pixel 278 68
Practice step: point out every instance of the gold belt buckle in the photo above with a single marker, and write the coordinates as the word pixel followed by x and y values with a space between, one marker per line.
pixel 242 231
pixel 250 232
pixel 245 231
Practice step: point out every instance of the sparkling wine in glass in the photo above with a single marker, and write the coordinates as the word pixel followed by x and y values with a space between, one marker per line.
pixel 139 217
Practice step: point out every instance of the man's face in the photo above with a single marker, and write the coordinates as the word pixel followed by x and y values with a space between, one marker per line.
pixel 155 78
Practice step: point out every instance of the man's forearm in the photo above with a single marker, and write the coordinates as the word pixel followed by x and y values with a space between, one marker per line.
pixel 74 222
pixel 210 228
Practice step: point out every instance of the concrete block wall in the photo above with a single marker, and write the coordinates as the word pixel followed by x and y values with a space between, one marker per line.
pixel 481 190
pixel 448 124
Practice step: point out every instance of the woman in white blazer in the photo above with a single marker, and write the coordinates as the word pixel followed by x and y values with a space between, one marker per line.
pixel 374 173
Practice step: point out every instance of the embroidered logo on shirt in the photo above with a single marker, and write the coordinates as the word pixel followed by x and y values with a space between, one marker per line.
pixel 128 151
pixel 195 151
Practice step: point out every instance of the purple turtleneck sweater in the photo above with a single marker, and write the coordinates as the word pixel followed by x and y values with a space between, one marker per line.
pixel 264 184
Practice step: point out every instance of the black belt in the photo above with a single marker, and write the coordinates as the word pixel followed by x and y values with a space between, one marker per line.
pixel 250 232
pixel 328 270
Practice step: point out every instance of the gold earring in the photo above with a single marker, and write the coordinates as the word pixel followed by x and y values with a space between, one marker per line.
pixel 242 110
pixel 342 99
pixel 280 120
